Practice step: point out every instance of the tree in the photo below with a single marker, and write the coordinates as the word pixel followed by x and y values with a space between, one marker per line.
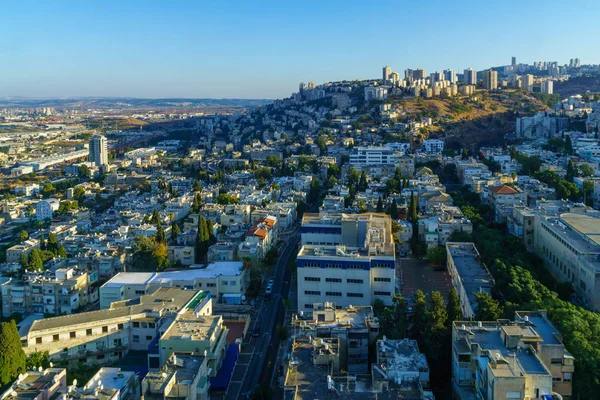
pixel 362 183
pixel 84 171
pixel 586 170
pixel 225 198
pixel 437 311
pixel 412 208
pixel 315 189
pixel 35 262
pixel 52 244
pixel 160 255
pixel 37 359
pixel 149 255
pixel 437 255
pixel 393 210
pixel 174 230
pixel 399 318
pixel 379 205
pixel 155 219
pixel 202 240
pixel 12 356
pixel 160 234
pixel 197 187
pixel 568 145
pixel 197 203
pixel 47 190
pixel 23 236
pixel 23 261
pixel 420 319
pixel 453 307
pixel 488 309
pixel 571 171
pixel 78 194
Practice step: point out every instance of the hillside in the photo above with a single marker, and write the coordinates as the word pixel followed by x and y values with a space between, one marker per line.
pixel 470 121
pixel 578 85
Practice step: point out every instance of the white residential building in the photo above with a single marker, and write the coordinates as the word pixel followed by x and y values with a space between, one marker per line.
pixel 373 156
pixel 44 209
pixel 98 150
pixel 433 146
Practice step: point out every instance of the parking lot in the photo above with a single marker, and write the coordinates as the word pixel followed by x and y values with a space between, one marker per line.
pixel 419 274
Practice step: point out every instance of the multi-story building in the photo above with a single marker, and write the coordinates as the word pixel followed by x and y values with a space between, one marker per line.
pixel 44 209
pixel 101 337
pixel 355 327
pixel 259 239
pixel 223 279
pixel 521 224
pixel 400 361
pixel 98 150
pixel 524 359
pixel 373 156
pixel 503 198
pixel 387 72
pixel 468 274
pixel 527 82
pixel 490 79
pixel 346 258
pixel 38 384
pixel 376 93
pixel 183 376
pixel 108 384
pixel 13 254
pixel 436 230
pixel 570 246
pixel 547 87
pixel 470 76
pixel 433 146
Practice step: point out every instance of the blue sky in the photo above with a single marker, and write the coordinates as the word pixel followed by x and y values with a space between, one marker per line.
pixel 263 49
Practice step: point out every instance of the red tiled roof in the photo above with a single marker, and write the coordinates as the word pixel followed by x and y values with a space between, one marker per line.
pixel 503 189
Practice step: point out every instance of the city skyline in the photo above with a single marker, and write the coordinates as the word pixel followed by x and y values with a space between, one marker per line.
pixel 264 49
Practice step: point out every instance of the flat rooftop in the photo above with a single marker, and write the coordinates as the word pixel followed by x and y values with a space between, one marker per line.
pixel 159 300
pixel 585 225
pixel 513 362
pixel 189 327
pixel 474 276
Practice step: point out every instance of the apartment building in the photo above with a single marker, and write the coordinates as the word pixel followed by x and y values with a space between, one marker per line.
pixel 260 239
pixel 433 146
pixel 521 359
pixel 368 155
pixel 44 209
pixel 13 254
pixel 436 230
pixel 349 258
pixel 569 243
pixel 355 327
pixel 468 274
pixel 399 361
pixel 102 337
pixel 43 384
pixel 183 376
pixel 223 279
pixel 108 384
pixel 61 292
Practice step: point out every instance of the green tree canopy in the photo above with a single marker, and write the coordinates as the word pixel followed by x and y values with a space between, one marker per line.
pixel 12 356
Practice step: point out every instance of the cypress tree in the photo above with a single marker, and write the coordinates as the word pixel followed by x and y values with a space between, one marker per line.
pixel 160 234
pixel 453 307
pixel 35 261
pixel 174 230
pixel 379 205
pixel 12 356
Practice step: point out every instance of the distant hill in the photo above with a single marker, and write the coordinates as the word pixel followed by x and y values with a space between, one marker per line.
pixel 578 85
pixel 131 103
pixel 465 122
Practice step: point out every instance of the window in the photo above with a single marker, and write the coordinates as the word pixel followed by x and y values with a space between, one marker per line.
pixel 211 284
pixel 72 335
pixel 567 376
pixel 312 279
pixel 310 306
pixel 38 340
pixel 100 357
pixel 354 266
pixel 104 329
pixel 120 327
pixel 140 292
pixel 232 283
pixel 225 283
pixel 55 338
pixel 151 325
pixel 312 293
pixel 354 281
pixel 382 280
pixel 336 294
pixel 148 338
pixel 556 361
pixel 88 332
pixel 354 294
pixel 382 293
pixel 136 324
pixel 556 379
pixel 334 280
pixel 136 339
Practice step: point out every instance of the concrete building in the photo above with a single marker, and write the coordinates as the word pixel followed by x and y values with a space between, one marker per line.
pixel 102 337
pixel 108 384
pixel 259 239
pixel 399 361
pixel 547 87
pixel 470 76
pixel 527 82
pixel 43 384
pixel 433 146
pixel 98 150
pixel 373 156
pixel 387 72
pixel 569 243
pixel 468 274
pixel 225 280
pixel 44 209
pixel 355 327
pixel 183 377
pixel 490 79
pixel 346 258
pixel 510 360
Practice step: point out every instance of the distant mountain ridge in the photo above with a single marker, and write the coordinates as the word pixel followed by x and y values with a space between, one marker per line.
pixel 128 102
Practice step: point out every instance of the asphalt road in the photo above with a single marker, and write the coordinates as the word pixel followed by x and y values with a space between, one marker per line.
pixel 269 316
